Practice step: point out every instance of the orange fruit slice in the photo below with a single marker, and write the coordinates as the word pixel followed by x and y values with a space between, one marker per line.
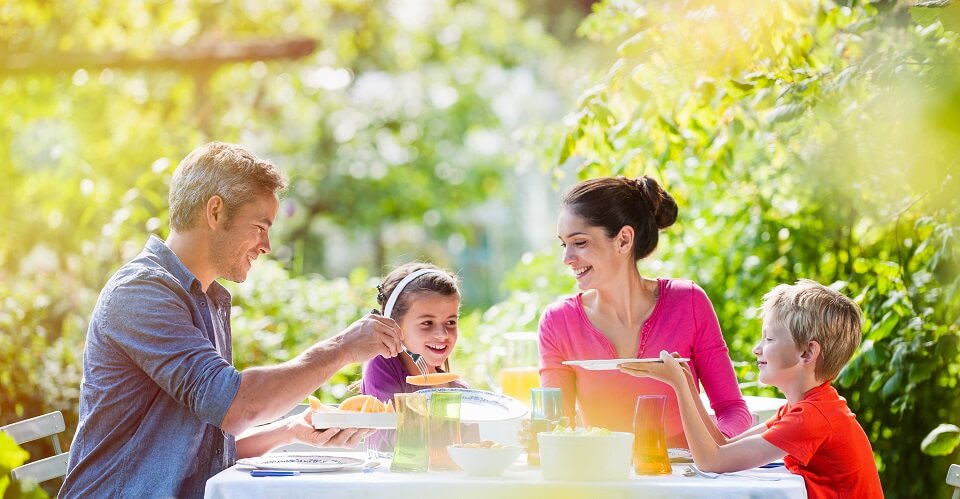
pixel 373 405
pixel 362 403
pixel 315 404
pixel 389 407
pixel 432 379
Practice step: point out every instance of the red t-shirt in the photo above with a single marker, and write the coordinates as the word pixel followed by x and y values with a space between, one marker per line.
pixel 826 446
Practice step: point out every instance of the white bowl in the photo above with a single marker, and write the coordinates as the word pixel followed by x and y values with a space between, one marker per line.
pixel 484 461
pixel 585 457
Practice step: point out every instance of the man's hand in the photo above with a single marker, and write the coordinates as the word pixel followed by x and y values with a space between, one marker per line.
pixel 670 371
pixel 370 336
pixel 302 430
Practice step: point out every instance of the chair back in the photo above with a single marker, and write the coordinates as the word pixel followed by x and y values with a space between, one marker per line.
pixel 48 425
pixel 953 479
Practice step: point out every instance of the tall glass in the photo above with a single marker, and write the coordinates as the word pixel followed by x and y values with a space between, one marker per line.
pixel 444 424
pixel 546 409
pixel 649 442
pixel 520 371
pixel 410 450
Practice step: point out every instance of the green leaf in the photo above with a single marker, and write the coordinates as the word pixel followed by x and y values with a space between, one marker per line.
pixel 11 455
pixel 941 441
pixel 885 327
pixel 784 113
pixel 891 386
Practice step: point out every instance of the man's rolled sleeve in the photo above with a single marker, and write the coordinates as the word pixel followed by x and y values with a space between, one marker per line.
pixel 159 336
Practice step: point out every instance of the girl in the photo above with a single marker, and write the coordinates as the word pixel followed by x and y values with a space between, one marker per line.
pixel 606 226
pixel 427 308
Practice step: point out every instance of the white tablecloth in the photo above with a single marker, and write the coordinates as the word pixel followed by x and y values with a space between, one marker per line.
pixel 519 481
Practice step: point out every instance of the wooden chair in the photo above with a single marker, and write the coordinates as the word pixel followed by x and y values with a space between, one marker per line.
pixel 48 425
pixel 953 479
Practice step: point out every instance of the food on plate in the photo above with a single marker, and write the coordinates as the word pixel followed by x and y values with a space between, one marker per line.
pixel 432 379
pixel 364 403
pixel 315 404
pixel 592 431
pixel 486 444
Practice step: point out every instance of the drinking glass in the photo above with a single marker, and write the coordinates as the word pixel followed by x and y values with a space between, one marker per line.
pixel 410 450
pixel 546 410
pixel 444 424
pixel 520 371
pixel 649 442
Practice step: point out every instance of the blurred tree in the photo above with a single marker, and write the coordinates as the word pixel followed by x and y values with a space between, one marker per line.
pixel 400 121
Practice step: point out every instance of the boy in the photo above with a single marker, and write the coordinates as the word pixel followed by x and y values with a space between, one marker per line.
pixel 809 333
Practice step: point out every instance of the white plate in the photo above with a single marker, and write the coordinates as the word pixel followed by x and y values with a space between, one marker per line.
pixel 305 462
pixel 611 364
pixel 478 406
pixel 376 420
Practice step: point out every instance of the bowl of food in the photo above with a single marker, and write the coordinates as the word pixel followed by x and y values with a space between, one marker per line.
pixel 486 458
pixel 595 454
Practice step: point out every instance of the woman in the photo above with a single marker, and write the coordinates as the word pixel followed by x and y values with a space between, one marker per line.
pixel 606 226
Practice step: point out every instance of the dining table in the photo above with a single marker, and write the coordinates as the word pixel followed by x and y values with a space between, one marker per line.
pixel 375 479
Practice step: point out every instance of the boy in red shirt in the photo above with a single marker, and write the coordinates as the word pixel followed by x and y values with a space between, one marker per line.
pixel 809 333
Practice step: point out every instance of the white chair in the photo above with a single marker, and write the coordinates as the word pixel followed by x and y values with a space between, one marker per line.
pixel 953 479
pixel 48 425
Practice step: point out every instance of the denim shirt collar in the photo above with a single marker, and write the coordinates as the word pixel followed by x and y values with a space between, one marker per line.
pixel 170 261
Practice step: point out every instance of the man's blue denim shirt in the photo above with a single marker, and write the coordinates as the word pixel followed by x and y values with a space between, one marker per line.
pixel 158 378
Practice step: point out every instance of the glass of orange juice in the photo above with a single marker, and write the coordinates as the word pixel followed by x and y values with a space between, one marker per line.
pixel 520 370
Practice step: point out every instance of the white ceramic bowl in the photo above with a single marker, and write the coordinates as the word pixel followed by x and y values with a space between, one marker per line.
pixel 484 461
pixel 585 457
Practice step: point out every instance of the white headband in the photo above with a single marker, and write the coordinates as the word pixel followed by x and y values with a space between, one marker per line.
pixel 388 309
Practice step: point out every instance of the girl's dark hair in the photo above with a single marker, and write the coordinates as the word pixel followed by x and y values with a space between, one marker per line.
pixel 613 202
pixel 443 283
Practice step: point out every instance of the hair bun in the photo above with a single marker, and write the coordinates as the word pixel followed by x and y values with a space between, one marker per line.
pixel 660 202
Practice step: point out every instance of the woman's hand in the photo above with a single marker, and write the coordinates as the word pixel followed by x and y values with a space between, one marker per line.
pixel 301 428
pixel 670 371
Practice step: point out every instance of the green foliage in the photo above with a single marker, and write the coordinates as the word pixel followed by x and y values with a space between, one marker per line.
pixel 802 139
pixel 11 456
pixel 402 116
pixel 275 317
pixel 942 440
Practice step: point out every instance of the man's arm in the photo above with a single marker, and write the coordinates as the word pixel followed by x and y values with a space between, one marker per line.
pixel 297 428
pixel 266 393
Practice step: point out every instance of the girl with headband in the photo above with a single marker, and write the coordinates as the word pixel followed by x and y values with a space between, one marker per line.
pixel 425 301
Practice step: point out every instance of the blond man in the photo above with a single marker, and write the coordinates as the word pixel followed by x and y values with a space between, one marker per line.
pixel 162 408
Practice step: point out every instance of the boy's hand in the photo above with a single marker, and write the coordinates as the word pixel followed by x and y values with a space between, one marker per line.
pixel 670 371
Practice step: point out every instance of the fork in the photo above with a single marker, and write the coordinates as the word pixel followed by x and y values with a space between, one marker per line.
pixel 415 357
pixel 693 470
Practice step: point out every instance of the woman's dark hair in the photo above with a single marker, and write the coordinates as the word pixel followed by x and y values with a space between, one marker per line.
pixel 442 283
pixel 613 202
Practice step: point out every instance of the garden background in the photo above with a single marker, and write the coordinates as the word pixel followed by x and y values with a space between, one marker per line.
pixel 801 139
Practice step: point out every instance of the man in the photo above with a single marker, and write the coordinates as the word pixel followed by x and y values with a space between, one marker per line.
pixel 162 408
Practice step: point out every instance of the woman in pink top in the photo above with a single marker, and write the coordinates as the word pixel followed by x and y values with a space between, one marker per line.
pixel 606 226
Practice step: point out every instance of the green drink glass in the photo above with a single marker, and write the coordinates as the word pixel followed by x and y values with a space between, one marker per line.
pixel 410 450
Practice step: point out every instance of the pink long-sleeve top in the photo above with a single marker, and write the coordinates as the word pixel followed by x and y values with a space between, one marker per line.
pixel 683 321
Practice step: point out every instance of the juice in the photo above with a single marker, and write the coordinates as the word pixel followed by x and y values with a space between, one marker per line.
pixel 443 432
pixel 517 382
pixel 410 450
pixel 410 453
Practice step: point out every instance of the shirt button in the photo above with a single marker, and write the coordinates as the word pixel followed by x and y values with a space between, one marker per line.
pixel 203 304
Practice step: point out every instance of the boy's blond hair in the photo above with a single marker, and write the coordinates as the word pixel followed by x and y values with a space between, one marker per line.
pixel 811 311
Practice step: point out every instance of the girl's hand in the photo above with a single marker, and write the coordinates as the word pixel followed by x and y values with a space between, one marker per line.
pixel 669 371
